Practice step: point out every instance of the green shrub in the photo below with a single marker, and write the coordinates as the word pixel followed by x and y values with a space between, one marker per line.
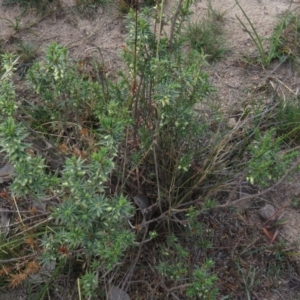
pixel 153 103
pixel 267 163
pixel 92 225
pixel 116 138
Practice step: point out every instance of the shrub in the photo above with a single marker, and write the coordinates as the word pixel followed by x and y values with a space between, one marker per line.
pixel 92 225
pixel 117 139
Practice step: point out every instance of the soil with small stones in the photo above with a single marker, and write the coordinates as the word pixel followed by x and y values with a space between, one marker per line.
pixel 251 254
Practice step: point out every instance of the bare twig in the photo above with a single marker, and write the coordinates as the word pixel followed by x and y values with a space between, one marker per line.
pixel 24 220
pixel 157 176
pixel 287 173
pixel 174 23
pixel 131 270
pixel 36 225
pixel 5 261
pixel 17 208
pixel 160 27
pixel 233 193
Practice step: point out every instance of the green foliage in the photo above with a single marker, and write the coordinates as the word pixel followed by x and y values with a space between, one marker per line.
pixel 283 43
pixel 31 178
pixel 206 35
pixel 8 62
pixel 27 51
pixel 174 255
pixel 175 267
pixel 65 95
pixel 90 220
pixel 295 202
pixel 89 283
pixel 16 24
pixel 92 2
pixel 287 33
pixel 203 283
pixel 12 136
pixel 7 98
pixel 267 162
pixel 248 278
pixel 92 225
pixel 195 235
pixel 265 56
pixel 167 84
pixel 138 132
pixel 124 6
pixel 40 5
pixel 88 8
pixel 287 120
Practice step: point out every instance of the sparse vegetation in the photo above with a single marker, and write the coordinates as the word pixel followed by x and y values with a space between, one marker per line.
pixel 41 6
pixel 264 56
pixel 288 46
pixel 283 43
pixel 124 6
pixel 206 35
pixel 122 186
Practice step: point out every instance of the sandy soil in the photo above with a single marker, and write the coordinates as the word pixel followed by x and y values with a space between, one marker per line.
pixel 233 80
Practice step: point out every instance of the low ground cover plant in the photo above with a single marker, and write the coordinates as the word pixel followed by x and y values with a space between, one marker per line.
pixel 206 35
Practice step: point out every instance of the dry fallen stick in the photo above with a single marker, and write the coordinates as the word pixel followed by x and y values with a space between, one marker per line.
pixel 5 261
pixel 287 173
pixel 229 202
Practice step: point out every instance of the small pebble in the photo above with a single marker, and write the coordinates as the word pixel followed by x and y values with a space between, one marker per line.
pixel 267 212
pixel 231 123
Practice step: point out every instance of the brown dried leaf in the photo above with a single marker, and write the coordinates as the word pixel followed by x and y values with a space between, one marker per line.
pixel 17 279
pixel 32 267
